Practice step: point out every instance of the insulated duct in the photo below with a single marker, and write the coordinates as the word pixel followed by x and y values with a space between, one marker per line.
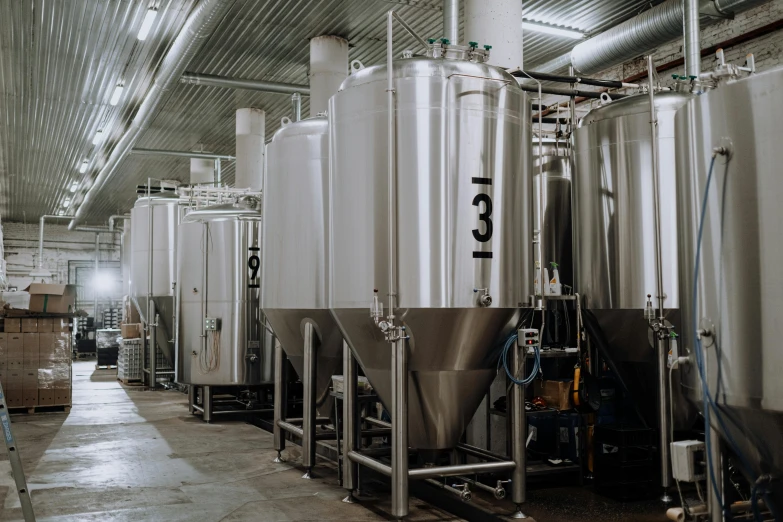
pixel 451 20
pixel 639 35
pixel 201 23
pixel 692 48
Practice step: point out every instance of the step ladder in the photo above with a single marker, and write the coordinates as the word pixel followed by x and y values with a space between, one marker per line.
pixel 16 460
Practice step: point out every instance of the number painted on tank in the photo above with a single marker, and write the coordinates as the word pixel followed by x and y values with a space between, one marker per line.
pixel 254 265
pixel 483 202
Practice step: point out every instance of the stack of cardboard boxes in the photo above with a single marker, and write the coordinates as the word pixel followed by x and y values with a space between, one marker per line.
pixel 35 361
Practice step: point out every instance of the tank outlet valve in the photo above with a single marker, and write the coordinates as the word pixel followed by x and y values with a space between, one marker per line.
pixel 465 495
pixel 500 491
pixel 484 299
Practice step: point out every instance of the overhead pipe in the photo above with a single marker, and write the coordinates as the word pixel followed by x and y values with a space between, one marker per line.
pixel 40 271
pixel 547 77
pixel 296 106
pixel 201 23
pixel 692 45
pixel 451 20
pixel 117 217
pixel 639 35
pixel 561 91
pixel 211 80
pixel 182 154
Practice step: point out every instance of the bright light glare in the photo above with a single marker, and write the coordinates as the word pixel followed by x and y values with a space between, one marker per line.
pixel 60 212
pixel 74 187
pixel 83 167
pixel 115 97
pixel 549 29
pixel 67 203
pixel 98 136
pixel 146 25
pixel 103 282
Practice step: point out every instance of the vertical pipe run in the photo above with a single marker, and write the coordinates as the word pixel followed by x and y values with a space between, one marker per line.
pixel 154 345
pixel 296 106
pixel 206 398
pixel 308 400
pixel 716 509
pixel 95 282
pixel 661 344
pixel 451 21
pixel 281 391
pixel 350 468
pixel 218 172
pixel 518 434
pixel 399 462
pixel 391 164
pixel 692 45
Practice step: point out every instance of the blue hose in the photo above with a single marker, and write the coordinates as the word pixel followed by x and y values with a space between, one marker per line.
pixel 504 360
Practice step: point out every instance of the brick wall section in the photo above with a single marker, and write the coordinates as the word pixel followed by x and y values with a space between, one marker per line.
pixel 60 246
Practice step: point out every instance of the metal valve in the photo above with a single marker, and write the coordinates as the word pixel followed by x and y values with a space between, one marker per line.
pixel 484 299
pixel 500 491
pixel 465 495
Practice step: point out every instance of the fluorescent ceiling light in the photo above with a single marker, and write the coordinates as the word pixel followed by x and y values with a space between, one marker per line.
pixel 74 187
pixel 146 25
pixel 97 139
pixel 66 203
pixel 115 97
pixel 552 29
pixel 61 212
pixel 83 167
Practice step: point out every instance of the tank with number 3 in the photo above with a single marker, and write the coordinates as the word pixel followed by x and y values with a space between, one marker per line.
pixel 221 339
pixel 463 221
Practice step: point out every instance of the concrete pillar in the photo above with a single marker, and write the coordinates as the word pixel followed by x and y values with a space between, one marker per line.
pixel 251 125
pixel 497 23
pixel 328 69
pixel 201 171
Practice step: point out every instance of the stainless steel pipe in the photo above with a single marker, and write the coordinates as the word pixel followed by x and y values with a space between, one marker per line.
pixel 399 387
pixel 239 83
pixel 462 469
pixel 281 390
pixel 480 453
pixel 391 163
pixel 308 399
pixel 451 20
pixel 692 45
pixel 296 106
pixel 151 313
pixel 181 154
pixel 371 463
pixel 95 282
pixel 350 469
pixel 518 434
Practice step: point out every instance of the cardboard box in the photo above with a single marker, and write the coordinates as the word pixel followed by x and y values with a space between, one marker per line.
pixel 14 364
pixel 29 324
pixel 12 325
pixel 130 314
pixel 62 348
pixel 30 388
pixel 46 397
pixel 31 349
pixel 14 346
pixel 52 298
pixel 130 331
pixel 46 324
pixel 47 343
pixel 62 396
pixel 557 393
pixel 3 349
pixel 61 325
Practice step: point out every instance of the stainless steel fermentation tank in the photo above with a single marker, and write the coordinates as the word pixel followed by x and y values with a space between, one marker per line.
pixel 614 233
pixel 154 222
pixel 463 221
pixel 552 163
pixel 221 339
pixel 295 277
pixel 295 235
pixel 739 291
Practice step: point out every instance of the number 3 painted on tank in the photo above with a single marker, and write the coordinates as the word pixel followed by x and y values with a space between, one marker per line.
pixel 483 216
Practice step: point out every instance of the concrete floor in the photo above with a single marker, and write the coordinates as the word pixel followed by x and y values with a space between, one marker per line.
pixel 126 454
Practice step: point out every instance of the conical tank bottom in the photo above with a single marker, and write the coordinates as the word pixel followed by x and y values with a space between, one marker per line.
pixel 452 360
pixel 289 325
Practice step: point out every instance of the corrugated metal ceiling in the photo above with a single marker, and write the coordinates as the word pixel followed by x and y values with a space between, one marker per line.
pixel 60 61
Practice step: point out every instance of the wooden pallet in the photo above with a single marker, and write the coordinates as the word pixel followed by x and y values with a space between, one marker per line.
pixel 131 382
pixel 107 367
pixel 49 408
pixel 86 355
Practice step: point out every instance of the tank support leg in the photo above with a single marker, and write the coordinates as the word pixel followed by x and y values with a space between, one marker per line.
pixel 281 391
pixel 191 398
pixel 518 435
pixel 206 398
pixel 153 344
pixel 308 402
pixel 350 435
pixel 399 384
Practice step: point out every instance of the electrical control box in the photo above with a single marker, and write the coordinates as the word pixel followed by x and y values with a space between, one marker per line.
pixel 211 323
pixel 528 338
pixel 688 460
